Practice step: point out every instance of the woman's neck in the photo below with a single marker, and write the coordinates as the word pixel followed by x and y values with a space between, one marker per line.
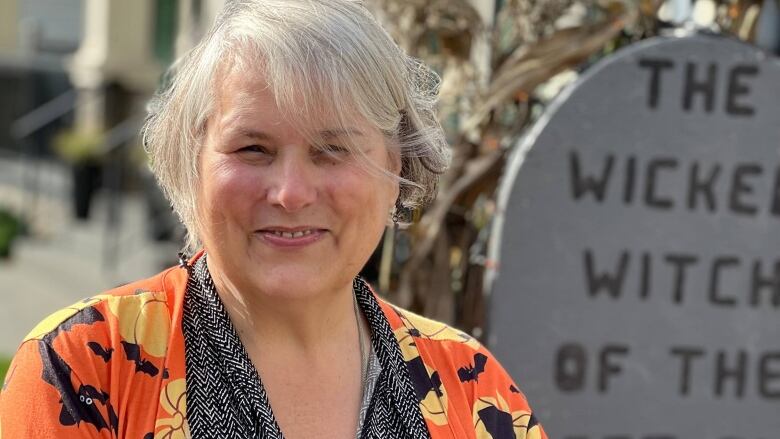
pixel 305 324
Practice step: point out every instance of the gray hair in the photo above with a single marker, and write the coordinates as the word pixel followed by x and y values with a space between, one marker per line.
pixel 318 57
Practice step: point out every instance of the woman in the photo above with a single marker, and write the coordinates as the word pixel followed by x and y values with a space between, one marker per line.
pixel 286 142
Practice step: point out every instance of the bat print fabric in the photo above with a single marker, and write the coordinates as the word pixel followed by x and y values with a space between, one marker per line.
pixel 113 366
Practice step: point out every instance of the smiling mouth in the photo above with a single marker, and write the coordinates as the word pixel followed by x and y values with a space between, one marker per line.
pixel 291 232
pixel 291 235
pixel 291 238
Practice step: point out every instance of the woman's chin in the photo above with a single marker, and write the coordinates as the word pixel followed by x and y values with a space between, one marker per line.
pixel 291 283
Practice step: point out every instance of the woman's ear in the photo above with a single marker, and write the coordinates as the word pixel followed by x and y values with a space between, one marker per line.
pixel 394 155
pixel 394 166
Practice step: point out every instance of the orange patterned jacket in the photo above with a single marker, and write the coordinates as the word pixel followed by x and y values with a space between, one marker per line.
pixel 112 366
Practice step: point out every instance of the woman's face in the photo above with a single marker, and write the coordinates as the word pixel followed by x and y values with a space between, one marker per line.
pixel 277 215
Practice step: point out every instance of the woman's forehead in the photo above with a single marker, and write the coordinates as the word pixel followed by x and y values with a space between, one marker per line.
pixel 247 100
pixel 244 92
pixel 249 82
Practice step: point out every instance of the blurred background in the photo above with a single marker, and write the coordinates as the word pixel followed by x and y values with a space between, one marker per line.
pixel 75 76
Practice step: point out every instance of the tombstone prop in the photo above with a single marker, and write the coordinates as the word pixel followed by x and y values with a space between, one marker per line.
pixel 637 288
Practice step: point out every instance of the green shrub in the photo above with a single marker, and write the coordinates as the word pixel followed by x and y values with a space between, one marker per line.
pixel 5 362
pixel 10 228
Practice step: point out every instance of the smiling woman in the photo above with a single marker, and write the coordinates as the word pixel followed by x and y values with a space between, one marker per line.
pixel 286 142
pixel 263 180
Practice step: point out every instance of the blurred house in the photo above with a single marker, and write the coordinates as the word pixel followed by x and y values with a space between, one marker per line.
pixel 35 36
pixel 110 52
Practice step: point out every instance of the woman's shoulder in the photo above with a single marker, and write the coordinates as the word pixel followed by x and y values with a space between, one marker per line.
pixel 456 377
pixel 440 338
pixel 117 308
pixel 92 363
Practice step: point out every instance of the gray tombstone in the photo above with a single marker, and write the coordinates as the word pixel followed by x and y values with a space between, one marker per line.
pixel 637 288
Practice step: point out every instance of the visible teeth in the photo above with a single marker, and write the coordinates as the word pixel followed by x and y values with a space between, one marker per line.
pixel 291 235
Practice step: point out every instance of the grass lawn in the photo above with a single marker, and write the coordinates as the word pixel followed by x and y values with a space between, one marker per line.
pixel 4 363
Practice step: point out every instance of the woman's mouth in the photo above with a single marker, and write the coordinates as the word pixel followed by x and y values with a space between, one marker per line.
pixel 292 237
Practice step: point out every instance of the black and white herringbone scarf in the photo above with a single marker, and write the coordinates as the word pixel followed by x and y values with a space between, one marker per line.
pixel 226 399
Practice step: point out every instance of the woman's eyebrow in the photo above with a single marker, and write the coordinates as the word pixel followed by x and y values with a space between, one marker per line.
pixel 250 133
pixel 337 132
pixel 328 134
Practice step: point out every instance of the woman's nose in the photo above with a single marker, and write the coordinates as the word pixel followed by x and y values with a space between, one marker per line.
pixel 293 186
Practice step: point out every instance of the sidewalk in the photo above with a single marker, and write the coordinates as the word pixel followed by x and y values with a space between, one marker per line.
pixel 64 261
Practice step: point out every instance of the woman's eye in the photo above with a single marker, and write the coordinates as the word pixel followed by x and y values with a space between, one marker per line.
pixel 333 151
pixel 331 154
pixel 254 149
pixel 336 149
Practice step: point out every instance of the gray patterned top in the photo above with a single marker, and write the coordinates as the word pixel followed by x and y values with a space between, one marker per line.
pixel 226 398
